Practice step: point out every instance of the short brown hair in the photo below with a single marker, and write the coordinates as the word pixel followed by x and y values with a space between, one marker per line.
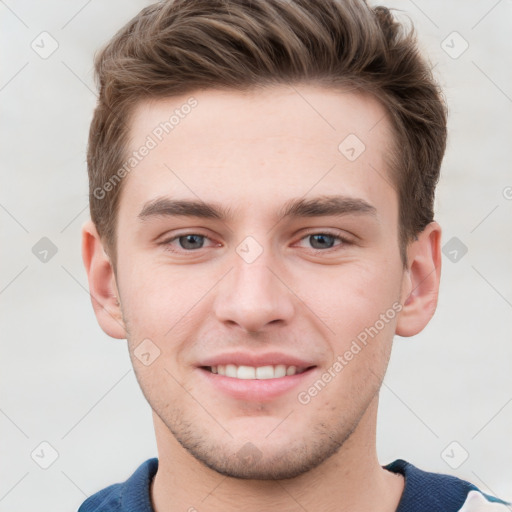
pixel 177 47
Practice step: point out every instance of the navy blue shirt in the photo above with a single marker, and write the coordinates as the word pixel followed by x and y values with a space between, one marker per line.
pixel 423 492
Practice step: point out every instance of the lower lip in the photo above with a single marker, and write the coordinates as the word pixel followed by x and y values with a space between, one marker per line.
pixel 255 389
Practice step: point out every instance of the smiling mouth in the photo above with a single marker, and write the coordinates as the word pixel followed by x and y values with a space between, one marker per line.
pixel 259 373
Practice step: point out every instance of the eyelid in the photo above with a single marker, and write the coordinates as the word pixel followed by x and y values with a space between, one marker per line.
pixel 166 242
pixel 327 231
pixel 343 238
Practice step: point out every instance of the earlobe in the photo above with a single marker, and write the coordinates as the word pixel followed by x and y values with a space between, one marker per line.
pixel 102 283
pixel 421 281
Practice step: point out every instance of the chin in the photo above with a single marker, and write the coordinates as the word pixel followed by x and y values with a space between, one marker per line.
pixel 265 456
pixel 251 463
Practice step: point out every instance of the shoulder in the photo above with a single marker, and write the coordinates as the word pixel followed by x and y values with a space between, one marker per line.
pixel 133 494
pixel 437 492
pixel 106 500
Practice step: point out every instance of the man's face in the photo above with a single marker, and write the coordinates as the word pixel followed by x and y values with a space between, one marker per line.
pixel 255 289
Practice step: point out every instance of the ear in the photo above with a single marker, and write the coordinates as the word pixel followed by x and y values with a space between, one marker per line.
pixel 420 286
pixel 102 283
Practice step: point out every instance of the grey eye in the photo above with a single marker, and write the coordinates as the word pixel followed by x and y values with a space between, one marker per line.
pixel 191 241
pixel 322 241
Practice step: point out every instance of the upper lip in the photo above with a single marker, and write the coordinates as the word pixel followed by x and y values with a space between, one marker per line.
pixel 256 360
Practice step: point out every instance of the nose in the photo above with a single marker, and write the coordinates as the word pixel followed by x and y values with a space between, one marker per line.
pixel 253 296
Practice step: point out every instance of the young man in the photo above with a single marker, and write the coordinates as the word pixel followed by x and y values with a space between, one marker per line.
pixel 262 179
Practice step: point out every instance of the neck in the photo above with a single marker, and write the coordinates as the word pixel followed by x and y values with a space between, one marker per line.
pixel 352 479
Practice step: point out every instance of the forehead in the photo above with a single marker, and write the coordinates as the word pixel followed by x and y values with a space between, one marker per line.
pixel 258 148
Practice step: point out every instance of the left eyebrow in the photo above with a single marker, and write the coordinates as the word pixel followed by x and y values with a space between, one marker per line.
pixel 327 205
pixel 335 205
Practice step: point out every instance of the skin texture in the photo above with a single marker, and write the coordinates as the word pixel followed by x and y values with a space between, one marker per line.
pixel 252 152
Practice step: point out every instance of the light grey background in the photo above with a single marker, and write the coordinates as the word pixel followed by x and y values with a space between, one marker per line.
pixel 65 382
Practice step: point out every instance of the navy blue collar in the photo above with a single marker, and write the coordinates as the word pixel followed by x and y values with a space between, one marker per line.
pixel 434 492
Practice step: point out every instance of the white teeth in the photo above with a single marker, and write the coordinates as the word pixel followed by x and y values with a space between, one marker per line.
pixel 245 372
pixel 230 370
pixel 279 370
pixel 291 370
pixel 251 372
pixel 265 372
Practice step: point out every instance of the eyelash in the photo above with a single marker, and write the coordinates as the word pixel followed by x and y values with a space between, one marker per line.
pixel 336 236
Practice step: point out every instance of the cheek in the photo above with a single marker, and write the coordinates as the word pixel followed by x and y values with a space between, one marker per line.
pixel 352 297
pixel 166 306
pixel 154 297
pixel 159 384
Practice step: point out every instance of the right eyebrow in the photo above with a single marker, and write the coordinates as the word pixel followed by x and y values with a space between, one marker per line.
pixel 166 207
